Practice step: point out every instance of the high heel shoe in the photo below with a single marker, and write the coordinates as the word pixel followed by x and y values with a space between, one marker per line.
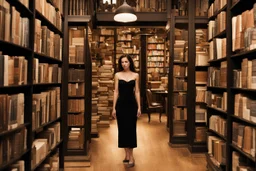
pixel 131 164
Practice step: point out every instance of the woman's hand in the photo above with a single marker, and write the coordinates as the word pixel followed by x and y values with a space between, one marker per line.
pixel 114 113
pixel 138 113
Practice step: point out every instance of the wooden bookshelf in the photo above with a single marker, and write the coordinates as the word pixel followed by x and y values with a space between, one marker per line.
pixel 25 131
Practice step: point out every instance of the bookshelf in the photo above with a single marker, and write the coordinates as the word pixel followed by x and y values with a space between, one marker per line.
pixel 31 101
pixel 78 82
pixel 235 90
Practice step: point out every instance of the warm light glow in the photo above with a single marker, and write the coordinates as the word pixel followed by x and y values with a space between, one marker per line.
pixel 125 17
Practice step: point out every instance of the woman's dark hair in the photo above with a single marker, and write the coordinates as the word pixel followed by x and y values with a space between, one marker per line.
pixel 120 68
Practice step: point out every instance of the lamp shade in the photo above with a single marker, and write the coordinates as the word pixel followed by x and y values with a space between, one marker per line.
pixel 125 13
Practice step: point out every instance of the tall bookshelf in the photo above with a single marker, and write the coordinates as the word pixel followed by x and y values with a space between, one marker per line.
pixel 31 100
pixel 187 75
pixel 77 84
pixel 236 113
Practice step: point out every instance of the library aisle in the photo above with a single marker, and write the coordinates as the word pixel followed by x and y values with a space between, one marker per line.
pixel 153 152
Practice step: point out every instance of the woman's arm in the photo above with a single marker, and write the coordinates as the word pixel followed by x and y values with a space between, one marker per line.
pixel 137 95
pixel 115 96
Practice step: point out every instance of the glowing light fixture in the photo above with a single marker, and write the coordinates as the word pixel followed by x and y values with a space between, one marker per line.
pixel 125 13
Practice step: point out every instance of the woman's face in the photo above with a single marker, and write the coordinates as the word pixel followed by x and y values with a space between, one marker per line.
pixel 125 63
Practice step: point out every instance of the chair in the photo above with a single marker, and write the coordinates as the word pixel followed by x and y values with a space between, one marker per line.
pixel 153 106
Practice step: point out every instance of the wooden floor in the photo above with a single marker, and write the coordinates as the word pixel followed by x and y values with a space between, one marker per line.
pixel 152 154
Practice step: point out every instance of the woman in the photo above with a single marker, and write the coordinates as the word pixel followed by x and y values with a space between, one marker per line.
pixel 126 106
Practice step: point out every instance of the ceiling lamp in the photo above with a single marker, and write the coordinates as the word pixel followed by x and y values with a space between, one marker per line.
pixel 125 13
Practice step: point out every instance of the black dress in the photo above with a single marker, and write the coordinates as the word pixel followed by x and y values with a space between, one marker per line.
pixel 126 114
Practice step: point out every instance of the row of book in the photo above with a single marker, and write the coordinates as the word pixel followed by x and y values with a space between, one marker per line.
pixel 243 30
pixel 218 124
pixel 46 73
pixel 76 45
pixel 179 113
pixel 75 75
pixel 11 111
pixel 215 7
pixel 246 76
pixel 76 139
pixel 46 41
pixel 217 48
pixel 159 46
pixel 217 100
pixel 201 94
pixel 13 70
pixel 180 99
pixel 245 107
pixel 13 146
pixel 44 143
pixel 155 64
pixel 201 7
pixel 76 119
pixel 217 76
pixel 155 58
pixel 155 53
pixel 77 7
pixel 244 137
pixel 216 150
pixel 76 89
pixel 15 28
pixel 200 114
pixel 46 107
pixel 76 105
pixel 217 26
pixel 180 84
pixel 239 162
pixel 50 12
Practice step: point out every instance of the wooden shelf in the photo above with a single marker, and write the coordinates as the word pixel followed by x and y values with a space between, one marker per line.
pixel 244 121
pixel 244 54
pixel 218 110
pixel 14 160
pixel 14 49
pixel 243 90
pixel 47 23
pixel 217 60
pixel 242 152
pixel 52 151
pixel 44 58
pixel 12 131
pixel 217 134
pixel 41 127
pixel 23 10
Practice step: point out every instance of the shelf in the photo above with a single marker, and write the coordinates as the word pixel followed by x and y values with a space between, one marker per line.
pixel 41 85
pixel 217 88
pixel 177 91
pixel 79 19
pixel 218 110
pixel 49 25
pixel 77 66
pixel 48 155
pixel 14 49
pixel 78 112
pixel 242 152
pixel 44 58
pixel 179 62
pixel 76 126
pixel 23 10
pixel 244 54
pixel 219 35
pixel 12 161
pixel 224 8
pixel 217 134
pixel 12 131
pixel 243 90
pixel 181 19
pixel 37 130
pixel 213 163
pixel 245 121
pixel 217 60
pixel 76 81
pixel 241 6
pixel 76 97
pixel 13 87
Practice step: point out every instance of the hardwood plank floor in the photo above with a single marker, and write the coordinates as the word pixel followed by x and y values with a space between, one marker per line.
pixel 152 154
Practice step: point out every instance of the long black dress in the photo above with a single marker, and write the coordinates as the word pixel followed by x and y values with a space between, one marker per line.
pixel 126 114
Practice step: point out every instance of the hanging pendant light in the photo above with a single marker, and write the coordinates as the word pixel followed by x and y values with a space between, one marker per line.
pixel 125 13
